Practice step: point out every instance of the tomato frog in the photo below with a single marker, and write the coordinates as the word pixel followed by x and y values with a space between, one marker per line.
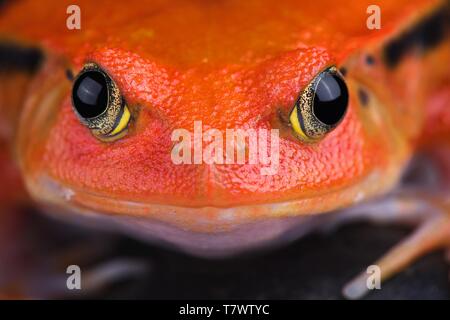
pixel 363 118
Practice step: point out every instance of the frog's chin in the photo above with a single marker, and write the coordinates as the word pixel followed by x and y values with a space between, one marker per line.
pixel 205 231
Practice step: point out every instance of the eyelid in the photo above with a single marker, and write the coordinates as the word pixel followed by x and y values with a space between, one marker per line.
pixel 123 122
pixel 295 122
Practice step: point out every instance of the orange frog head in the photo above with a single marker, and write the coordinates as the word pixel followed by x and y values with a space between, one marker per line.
pixel 119 102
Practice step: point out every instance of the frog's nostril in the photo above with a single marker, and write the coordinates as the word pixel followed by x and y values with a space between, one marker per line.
pixel 363 97
pixel 69 75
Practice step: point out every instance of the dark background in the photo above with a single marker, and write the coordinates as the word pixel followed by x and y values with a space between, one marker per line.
pixel 314 267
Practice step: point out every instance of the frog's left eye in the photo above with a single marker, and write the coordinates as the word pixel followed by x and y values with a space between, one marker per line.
pixel 321 106
pixel 98 103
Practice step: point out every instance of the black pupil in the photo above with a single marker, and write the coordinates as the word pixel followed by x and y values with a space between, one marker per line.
pixel 330 99
pixel 90 94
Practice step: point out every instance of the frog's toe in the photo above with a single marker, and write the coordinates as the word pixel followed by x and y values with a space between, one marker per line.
pixel 111 272
pixel 433 233
pixel 93 280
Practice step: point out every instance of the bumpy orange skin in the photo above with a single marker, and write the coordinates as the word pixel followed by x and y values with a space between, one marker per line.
pixel 139 166
pixel 229 64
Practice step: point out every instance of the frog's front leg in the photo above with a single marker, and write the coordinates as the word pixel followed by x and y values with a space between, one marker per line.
pixel 429 210
pixel 36 253
pixel 432 233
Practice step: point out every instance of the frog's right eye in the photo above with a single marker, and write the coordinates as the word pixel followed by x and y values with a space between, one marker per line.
pixel 98 103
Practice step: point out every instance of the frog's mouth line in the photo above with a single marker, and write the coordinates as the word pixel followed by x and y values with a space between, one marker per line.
pixel 209 219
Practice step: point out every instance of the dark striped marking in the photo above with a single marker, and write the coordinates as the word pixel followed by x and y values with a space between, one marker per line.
pixel 4 3
pixel 423 36
pixel 18 58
